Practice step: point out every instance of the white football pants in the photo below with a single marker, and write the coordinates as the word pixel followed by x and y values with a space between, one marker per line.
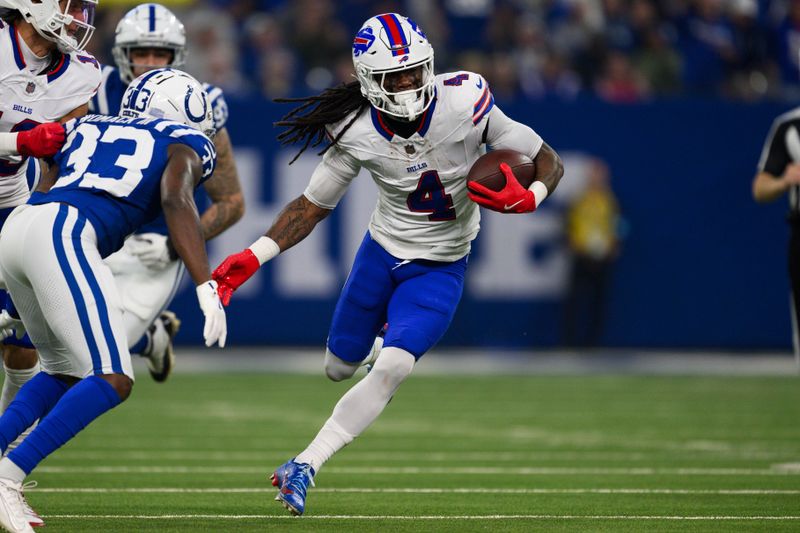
pixel 63 291
pixel 144 292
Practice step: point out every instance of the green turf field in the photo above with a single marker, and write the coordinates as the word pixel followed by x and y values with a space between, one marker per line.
pixel 587 453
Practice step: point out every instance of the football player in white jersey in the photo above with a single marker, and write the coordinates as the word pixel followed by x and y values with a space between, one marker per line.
pixel 112 176
pixel 147 269
pixel 45 76
pixel 417 134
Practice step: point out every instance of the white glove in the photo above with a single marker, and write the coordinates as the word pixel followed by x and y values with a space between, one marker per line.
pixel 151 249
pixel 216 329
pixel 10 326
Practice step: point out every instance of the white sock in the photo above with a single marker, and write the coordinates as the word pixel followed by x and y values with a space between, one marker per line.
pixel 9 470
pixel 359 407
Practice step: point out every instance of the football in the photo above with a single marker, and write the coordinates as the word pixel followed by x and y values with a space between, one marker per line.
pixel 486 170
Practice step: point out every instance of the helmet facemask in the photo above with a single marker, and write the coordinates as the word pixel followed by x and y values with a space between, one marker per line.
pixel 122 57
pixel 149 26
pixel 406 105
pixel 62 27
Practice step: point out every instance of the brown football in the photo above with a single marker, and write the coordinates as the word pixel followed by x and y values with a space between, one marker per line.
pixel 486 170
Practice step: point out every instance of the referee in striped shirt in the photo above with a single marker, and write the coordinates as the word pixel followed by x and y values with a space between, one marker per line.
pixel 779 174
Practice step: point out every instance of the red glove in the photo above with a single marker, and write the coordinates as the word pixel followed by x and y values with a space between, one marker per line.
pixel 233 271
pixel 513 198
pixel 45 140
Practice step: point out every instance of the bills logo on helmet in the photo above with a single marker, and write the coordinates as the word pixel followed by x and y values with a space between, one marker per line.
pixel 363 41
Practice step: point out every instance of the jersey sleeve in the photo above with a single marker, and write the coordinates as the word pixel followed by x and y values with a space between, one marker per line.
pixel 81 78
pixel 331 178
pixel 775 154
pixel 197 141
pixel 503 132
pixel 219 106
pixel 470 95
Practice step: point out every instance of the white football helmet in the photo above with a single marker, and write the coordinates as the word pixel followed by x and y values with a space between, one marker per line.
pixel 61 27
pixel 170 94
pixel 148 26
pixel 391 43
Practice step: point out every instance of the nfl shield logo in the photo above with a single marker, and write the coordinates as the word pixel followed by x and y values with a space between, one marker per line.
pixel 410 149
pixel 30 87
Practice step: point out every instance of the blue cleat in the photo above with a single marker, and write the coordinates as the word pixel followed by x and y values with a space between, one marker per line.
pixel 292 480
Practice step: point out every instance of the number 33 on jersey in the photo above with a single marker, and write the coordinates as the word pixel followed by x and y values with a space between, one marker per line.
pixel 119 158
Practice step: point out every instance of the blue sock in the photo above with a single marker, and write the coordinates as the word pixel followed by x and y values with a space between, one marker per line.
pixel 85 401
pixel 31 403
pixel 141 345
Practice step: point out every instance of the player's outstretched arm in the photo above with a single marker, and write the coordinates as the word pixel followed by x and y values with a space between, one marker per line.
pixel 227 202
pixel 181 174
pixel 293 224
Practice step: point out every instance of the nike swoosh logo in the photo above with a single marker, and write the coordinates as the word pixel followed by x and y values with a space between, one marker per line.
pixel 508 207
pixel 479 85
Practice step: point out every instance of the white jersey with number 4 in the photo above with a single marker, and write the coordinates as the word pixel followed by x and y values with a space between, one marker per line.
pixel 33 91
pixel 423 211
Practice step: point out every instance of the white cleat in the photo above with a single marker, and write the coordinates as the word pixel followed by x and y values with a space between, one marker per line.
pixel 31 515
pixel 12 508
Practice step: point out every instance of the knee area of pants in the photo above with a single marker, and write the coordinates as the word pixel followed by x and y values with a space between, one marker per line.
pixel 411 341
pixel 337 369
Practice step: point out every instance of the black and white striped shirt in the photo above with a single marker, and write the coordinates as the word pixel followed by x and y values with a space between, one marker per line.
pixel 782 148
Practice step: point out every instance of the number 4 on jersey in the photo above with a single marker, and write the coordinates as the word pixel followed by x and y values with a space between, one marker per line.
pixel 430 197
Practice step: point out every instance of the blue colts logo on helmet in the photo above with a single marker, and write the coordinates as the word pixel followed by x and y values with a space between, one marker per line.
pixel 188 110
pixel 363 41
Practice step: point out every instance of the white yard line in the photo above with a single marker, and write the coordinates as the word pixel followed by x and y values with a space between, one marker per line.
pixel 460 457
pixel 412 490
pixel 411 517
pixel 791 470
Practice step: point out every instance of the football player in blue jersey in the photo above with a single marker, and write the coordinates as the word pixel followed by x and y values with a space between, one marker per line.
pixel 147 269
pixel 112 175
pixel 417 134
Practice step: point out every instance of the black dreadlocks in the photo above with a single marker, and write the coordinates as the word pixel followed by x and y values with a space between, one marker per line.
pixel 329 107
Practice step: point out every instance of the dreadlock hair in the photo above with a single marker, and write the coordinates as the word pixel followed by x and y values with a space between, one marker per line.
pixel 307 121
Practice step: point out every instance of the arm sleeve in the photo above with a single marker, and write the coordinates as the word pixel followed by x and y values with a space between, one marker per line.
pixel 774 155
pixel 502 132
pixel 331 178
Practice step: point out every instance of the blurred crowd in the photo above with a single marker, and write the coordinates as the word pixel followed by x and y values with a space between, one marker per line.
pixel 615 50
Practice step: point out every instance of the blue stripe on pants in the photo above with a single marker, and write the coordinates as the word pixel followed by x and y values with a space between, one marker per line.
pixel 102 308
pixel 74 289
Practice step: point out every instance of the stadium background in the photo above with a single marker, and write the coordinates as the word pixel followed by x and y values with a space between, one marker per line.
pixel 677 97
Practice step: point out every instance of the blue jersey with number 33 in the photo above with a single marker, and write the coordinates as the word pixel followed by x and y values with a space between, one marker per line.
pixel 110 169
